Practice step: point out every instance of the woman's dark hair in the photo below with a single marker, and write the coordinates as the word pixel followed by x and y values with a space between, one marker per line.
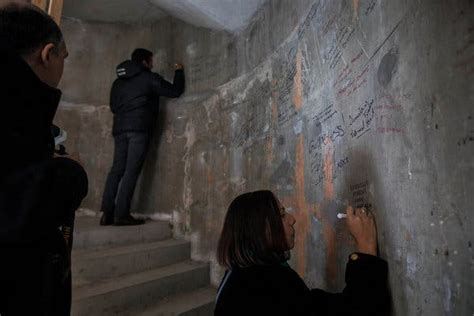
pixel 140 54
pixel 24 28
pixel 253 232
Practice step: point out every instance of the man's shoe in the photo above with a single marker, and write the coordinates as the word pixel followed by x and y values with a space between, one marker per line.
pixel 127 220
pixel 106 219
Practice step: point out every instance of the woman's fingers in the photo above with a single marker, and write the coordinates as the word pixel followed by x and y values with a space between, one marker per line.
pixel 349 211
pixel 361 212
pixel 361 225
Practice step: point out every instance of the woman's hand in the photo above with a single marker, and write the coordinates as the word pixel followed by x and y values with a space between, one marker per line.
pixel 362 227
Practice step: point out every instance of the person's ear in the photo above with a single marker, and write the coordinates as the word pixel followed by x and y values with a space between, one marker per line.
pixel 45 54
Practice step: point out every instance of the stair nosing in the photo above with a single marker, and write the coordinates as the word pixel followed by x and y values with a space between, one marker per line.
pixel 90 235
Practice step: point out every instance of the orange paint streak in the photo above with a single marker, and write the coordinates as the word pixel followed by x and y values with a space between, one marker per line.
pixel 269 149
pixel 328 169
pixel 328 230
pixel 210 176
pixel 355 3
pixel 303 210
pixel 330 238
pixel 298 83
pixel 269 141
pixel 302 225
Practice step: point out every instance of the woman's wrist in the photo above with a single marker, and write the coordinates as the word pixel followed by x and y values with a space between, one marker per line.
pixel 369 249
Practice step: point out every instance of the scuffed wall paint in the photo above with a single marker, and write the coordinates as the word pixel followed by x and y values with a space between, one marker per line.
pixel 190 136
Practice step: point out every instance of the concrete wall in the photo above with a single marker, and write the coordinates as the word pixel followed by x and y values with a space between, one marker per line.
pixel 325 101
pixel 96 48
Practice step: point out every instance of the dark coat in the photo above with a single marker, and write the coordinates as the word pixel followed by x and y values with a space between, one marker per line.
pixel 135 94
pixel 278 290
pixel 28 171
pixel 27 109
pixel 38 193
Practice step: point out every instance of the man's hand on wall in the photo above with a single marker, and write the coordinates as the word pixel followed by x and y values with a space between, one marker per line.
pixel 178 66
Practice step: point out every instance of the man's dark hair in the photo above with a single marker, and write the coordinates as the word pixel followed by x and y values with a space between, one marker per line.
pixel 24 28
pixel 253 232
pixel 141 54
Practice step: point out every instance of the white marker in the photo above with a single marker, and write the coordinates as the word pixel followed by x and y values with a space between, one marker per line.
pixel 341 215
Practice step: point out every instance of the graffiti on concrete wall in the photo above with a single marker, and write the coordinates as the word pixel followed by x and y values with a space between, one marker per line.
pixel 316 122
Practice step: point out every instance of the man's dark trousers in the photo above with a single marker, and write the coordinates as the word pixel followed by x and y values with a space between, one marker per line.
pixel 129 155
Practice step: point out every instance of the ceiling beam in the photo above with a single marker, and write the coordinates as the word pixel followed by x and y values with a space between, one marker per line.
pixel 42 4
pixel 56 10
pixel 53 7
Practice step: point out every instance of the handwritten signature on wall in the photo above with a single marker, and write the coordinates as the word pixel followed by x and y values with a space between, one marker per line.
pixel 363 119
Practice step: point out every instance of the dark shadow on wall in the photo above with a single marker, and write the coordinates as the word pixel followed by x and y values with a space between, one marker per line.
pixel 145 195
pixel 362 187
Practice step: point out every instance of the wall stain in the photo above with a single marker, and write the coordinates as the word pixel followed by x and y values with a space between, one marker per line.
pixel 328 169
pixel 302 214
pixel 282 175
pixel 269 149
pixel 328 229
pixel 190 134
pixel 303 209
pixel 298 82
pixel 355 4
pixel 388 67
pixel 274 122
pixel 169 136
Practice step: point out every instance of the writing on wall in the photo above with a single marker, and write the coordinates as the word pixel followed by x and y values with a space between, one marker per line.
pixel 389 115
pixel 359 192
pixel 361 120
pixel 252 116
pixel 326 126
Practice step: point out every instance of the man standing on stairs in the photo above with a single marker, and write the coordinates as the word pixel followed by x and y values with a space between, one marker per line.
pixel 134 101
pixel 39 192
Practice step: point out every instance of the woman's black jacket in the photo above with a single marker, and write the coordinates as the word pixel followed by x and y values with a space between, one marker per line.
pixel 278 290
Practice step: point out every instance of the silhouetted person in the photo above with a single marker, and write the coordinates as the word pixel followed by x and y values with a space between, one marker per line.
pixel 134 101
pixel 39 192
pixel 255 245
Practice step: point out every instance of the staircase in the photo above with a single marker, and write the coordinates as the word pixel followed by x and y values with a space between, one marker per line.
pixel 136 270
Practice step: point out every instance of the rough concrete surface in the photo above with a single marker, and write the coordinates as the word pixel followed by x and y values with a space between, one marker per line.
pixel 321 101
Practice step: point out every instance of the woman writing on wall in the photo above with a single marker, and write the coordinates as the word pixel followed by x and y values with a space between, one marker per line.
pixel 254 247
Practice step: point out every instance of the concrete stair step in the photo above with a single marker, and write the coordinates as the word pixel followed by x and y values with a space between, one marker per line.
pixel 88 234
pixel 134 293
pixel 196 303
pixel 90 265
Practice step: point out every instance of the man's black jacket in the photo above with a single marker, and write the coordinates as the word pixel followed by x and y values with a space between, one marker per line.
pixel 37 192
pixel 134 98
